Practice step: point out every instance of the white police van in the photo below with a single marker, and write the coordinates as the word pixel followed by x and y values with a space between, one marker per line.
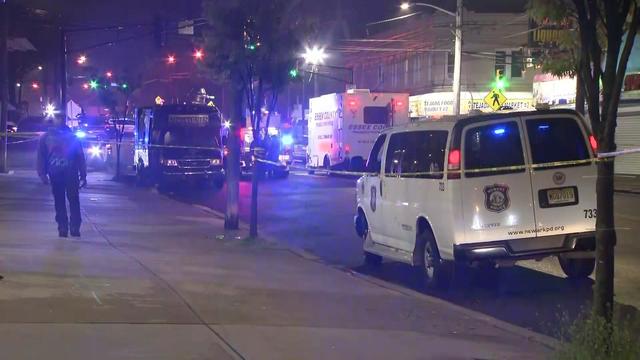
pixel 481 189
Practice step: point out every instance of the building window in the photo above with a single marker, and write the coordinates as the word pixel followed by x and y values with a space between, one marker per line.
pixel 517 64
pixel 381 74
pixel 394 74
pixel 405 72
pixel 501 61
pixel 417 68
pixel 450 63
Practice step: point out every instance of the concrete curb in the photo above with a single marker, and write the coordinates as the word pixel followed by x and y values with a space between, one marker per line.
pixel 545 340
pixel 634 192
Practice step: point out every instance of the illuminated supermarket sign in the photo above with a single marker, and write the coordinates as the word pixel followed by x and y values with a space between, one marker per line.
pixel 441 103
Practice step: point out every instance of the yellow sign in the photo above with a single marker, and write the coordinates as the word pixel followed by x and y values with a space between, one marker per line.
pixel 495 99
pixel 210 103
pixel 159 100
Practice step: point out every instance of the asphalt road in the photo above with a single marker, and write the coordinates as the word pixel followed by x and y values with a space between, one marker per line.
pixel 315 213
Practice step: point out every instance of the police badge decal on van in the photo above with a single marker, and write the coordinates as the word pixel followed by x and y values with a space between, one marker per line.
pixel 496 197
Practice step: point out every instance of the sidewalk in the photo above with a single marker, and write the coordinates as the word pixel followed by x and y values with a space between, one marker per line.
pixel 627 184
pixel 152 278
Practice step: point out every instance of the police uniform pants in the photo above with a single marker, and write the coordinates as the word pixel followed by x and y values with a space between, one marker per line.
pixel 65 189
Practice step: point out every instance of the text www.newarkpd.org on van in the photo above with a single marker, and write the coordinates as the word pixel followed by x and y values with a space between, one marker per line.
pixel 535 231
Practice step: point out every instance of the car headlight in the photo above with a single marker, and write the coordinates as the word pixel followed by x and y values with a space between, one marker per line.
pixel 284 157
pixel 215 161
pixel 170 162
pixel 95 151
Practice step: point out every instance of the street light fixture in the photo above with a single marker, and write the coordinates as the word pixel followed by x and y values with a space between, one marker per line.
pixel 314 55
pixel 50 111
pixel 458 47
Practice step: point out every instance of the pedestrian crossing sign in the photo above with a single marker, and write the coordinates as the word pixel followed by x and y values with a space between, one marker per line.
pixel 495 99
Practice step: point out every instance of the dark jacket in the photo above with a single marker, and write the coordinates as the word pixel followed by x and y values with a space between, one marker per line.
pixel 60 154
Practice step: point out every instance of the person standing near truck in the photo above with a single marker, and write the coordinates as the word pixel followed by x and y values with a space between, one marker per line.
pixel 61 163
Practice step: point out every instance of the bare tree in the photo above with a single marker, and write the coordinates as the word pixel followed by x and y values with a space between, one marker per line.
pixel 606 30
pixel 253 45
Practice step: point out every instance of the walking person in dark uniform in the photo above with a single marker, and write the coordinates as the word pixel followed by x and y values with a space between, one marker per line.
pixel 61 163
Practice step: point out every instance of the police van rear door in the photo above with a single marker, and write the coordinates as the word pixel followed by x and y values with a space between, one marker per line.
pixel 563 173
pixel 496 186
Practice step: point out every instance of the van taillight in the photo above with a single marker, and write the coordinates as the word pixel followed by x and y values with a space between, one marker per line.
pixel 454 164
pixel 594 143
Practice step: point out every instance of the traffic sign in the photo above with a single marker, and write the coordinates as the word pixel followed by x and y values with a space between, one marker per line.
pixel 495 99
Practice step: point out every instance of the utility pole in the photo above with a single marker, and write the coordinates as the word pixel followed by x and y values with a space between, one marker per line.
pixel 63 73
pixel 4 83
pixel 457 59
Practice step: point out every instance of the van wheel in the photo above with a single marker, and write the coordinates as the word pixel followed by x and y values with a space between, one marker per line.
pixel 434 270
pixel 577 268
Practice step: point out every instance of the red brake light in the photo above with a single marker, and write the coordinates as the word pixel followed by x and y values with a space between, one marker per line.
pixel 454 159
pixel 347 148
pixel 594 143
pixel 454 164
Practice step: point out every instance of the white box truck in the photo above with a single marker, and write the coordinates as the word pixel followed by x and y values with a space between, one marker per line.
pixel 344 126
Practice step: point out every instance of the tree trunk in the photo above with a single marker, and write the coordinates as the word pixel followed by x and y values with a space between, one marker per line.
pixel 231 220
pixel 258 152
pixel 253 225
pixel 605 242
pixel 118 146
pixel 579 94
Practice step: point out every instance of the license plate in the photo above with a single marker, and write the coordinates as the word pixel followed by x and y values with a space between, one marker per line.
pixel 561 196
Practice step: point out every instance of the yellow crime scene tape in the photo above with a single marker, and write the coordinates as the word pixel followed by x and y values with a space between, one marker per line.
pixel 607 156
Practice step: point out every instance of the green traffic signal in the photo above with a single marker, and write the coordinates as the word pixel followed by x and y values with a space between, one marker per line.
pixel 501 84
pixel 124 86
pixel 93 84
pixel 293 73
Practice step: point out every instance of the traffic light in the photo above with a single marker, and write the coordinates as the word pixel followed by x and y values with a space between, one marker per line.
pixel 159 32
pixel 93 84
pixel 501 82
pixel 125 85
pixel 171 59
pixel 293 73
pixel 198 54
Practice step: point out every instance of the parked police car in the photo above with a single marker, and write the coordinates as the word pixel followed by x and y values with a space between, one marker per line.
pixel 486 189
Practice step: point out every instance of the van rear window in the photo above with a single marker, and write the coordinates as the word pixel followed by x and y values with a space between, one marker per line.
pixel 377 115
pixel 491 146
pixel 554 140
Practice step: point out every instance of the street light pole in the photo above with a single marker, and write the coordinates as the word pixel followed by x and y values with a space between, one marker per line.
pixel 457 47
pixel 457 59
pixel 4 82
